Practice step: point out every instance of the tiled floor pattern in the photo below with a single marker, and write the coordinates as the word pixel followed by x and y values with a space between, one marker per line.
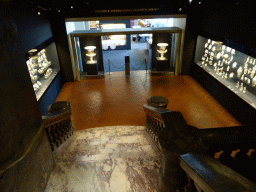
pixel 106 159
pixel 119 100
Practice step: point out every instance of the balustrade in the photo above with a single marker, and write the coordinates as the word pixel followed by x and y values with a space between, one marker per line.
pixel 216 159
pixel 58 128
pixel 238 157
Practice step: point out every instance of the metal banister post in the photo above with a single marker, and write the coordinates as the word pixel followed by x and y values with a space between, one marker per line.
pixel 146 66
pixel 109 66
pixel 127 65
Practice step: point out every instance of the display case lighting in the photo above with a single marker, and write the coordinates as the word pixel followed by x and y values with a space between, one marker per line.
pixel 91 54
pixel 162 50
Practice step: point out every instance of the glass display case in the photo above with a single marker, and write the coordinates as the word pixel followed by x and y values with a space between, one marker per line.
pixel 112 41
pixel 43 66
pixel 234 69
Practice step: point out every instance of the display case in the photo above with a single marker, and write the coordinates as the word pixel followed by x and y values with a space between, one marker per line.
pixel 111 42
pixel 43 66
pixel 234 69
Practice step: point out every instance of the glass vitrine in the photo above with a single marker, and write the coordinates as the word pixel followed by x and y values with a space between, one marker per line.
pixel 234 69
pixel 43 66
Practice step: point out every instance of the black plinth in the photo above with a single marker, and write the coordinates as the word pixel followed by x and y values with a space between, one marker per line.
pixel 92 69
pixel 162 65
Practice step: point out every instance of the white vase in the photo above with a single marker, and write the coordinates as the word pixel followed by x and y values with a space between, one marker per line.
pixel 239 71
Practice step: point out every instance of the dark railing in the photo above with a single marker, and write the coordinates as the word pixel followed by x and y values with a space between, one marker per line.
pixel 58 128
pixel 214 159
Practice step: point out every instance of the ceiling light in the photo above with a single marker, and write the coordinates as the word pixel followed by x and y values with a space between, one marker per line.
pixel 199 2
pixel 180 9
pixel 190 1
pixel 71 7
pixel 38 13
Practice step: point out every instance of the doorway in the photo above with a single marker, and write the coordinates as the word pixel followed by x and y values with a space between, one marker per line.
pixel 140 53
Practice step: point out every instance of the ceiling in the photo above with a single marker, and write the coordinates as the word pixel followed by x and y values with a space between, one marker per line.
pixel 90 8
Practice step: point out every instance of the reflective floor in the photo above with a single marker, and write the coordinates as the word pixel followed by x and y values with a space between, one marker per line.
pixel 118 100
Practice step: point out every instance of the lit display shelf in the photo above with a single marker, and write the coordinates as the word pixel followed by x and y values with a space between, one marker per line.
pixel 43 66
pixel 235 70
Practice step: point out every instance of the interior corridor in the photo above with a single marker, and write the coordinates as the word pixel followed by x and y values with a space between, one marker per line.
pixel 118 100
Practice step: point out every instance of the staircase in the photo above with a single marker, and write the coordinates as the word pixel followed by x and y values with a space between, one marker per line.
pixel 165 155
pixel 115 158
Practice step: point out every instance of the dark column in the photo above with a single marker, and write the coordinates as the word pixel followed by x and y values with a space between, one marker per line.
pixel 20 116
pixel 60 37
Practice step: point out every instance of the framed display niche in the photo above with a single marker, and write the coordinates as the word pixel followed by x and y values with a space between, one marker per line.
pixel 234 69
pixel 43 66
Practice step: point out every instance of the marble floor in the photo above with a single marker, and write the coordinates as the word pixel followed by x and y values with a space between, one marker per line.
pixel 106 159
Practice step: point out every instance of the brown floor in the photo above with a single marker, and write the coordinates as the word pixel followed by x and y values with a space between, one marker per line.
pixel 117 100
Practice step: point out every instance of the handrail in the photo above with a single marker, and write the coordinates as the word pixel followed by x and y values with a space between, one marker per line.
pixel 9 165
pixel 198 137
pixel 210 175
pixel 172 136
pixel 58 127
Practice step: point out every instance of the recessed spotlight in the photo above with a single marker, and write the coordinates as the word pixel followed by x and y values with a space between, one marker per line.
pixel 71 7
pixel 190 1
pixel 180 9
pixel 199 2
pixel 58 10
pixel 38 13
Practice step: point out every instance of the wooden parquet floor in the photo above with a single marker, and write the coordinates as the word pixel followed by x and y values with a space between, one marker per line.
pixel 118 100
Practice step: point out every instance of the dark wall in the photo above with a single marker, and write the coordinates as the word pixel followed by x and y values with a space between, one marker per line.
pixel 19 114
pixel 191 33
pixel 234 24
pixel 33 29
pixel 58 28
pixel 113 8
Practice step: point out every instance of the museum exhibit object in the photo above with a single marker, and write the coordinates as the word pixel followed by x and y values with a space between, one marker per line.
pixel 111 42
pixel 162 50
pixel 232 68
pixel 90 54
pixel 43 66
pixel 164 57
